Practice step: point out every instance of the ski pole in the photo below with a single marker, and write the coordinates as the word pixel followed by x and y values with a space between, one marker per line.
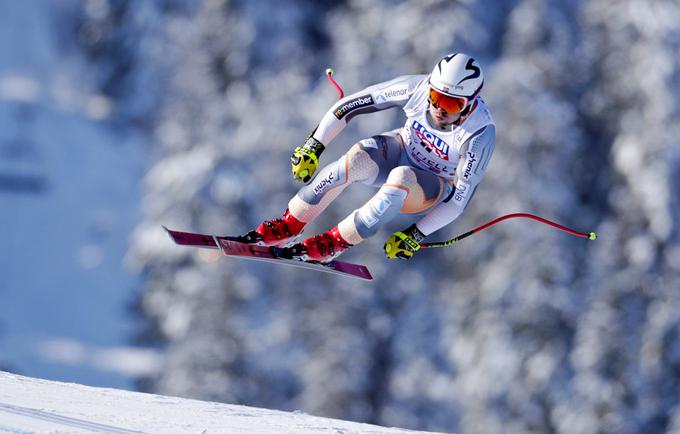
pixel 590 236
pixel 329 75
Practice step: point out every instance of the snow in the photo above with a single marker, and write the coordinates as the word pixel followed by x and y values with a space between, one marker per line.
pixel 29 405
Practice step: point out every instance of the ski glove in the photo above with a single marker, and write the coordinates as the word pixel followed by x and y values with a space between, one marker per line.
pixel 305 159
pixel 404 244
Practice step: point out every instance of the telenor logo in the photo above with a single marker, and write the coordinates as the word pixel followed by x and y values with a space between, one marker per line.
pixel 393 93
pixel 352 105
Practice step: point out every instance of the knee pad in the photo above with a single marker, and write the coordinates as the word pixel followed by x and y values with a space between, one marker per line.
pixel 381 208
pixel 420 194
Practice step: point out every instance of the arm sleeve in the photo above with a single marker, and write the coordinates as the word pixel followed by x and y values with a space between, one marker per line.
pixel 476 156
pixel 381 96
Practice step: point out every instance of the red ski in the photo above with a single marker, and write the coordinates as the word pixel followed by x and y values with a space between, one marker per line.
pixel 231 247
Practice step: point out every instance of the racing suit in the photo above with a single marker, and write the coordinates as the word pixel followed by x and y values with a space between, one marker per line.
pixel 418 168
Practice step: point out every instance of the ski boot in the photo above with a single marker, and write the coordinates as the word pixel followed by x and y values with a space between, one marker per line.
pixel 321 248
pixel 277 232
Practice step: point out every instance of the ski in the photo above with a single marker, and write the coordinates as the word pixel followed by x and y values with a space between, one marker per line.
pixel 231 247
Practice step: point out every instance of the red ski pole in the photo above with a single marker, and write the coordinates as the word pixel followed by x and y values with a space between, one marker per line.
pixel 329 74
pixel 590 236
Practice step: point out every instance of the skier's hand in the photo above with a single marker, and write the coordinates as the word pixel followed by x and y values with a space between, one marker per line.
pixel 404 244
pixel 305 159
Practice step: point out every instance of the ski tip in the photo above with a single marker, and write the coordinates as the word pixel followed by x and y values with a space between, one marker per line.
pixel 592 236
pixel 169 232
pixel 172 234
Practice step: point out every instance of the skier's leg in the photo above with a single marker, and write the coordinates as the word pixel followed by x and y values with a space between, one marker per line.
pixel 407 190
pixel 360 164
pixel 364 162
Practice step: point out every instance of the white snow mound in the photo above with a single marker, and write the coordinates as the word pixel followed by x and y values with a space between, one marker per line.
pixel 29 405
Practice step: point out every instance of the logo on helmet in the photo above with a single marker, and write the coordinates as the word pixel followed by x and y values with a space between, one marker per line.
pixel 447 59
pixel 470 66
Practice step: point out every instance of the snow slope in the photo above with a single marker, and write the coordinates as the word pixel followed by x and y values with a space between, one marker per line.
pixel 29 405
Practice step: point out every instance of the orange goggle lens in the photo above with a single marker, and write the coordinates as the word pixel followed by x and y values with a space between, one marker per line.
pixel 450 104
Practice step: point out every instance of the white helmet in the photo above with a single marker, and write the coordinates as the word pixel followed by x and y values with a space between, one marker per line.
pixel 458 75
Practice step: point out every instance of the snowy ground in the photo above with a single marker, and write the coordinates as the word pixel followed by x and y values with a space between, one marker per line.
pixel 29 405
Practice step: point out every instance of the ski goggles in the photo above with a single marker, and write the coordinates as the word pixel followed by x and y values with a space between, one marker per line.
pixel 450 104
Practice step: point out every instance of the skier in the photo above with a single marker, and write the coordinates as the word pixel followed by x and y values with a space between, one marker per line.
pixel 431 165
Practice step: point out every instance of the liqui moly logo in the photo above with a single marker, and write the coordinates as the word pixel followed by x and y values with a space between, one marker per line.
pixel 431 142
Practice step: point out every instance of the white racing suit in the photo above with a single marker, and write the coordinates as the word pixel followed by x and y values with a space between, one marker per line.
pixel 418 168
